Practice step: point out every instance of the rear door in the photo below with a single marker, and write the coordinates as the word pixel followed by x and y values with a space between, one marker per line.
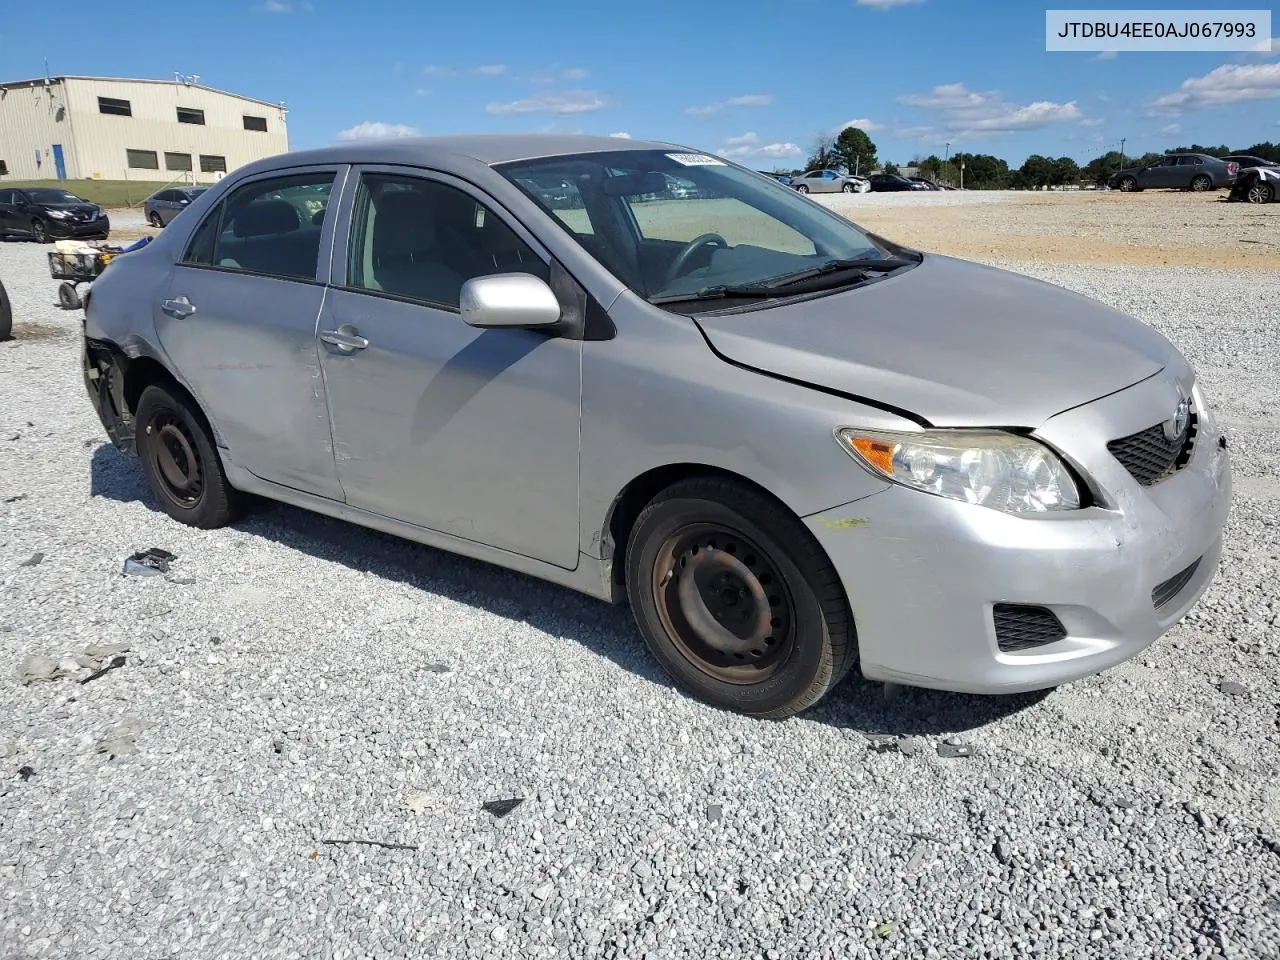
pixel 239 321
pixel 469 432
pixel 1189 168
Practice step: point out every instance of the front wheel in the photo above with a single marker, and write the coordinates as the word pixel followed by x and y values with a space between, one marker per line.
pixel 181 463
pixel 736 599
pixel 849 188
pixel 1261 192
pixel 1201 183
pixel 39 232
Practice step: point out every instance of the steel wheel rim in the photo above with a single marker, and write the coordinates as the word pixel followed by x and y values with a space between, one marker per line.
pixel 723 603
pixel 176 458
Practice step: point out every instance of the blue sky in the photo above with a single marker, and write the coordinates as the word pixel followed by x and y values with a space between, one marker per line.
pixel 751 79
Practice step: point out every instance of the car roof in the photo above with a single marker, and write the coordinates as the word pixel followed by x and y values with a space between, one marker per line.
pixel 490 148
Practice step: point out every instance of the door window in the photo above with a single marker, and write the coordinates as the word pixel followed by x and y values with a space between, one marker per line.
pixel 6 196
pixel 271 227
pixel 421 240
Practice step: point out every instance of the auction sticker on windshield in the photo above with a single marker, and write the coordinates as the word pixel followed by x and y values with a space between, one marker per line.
pixel 695 160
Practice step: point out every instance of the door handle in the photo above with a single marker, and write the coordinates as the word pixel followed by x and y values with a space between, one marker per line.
pixel 345 338
pixel 180 308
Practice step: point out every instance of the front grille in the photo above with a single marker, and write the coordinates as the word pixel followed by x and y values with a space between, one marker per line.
pixel 1150 457
pixel 1165 592
pixel 1021 627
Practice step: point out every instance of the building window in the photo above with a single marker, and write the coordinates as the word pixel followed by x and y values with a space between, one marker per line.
pixel 177 161
pixel 210 164
pixel 143 159
pixel 114 107
pixel 187 115
pixel 255 123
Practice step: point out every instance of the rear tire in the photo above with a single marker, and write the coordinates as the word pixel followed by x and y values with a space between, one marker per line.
pixel 802 188
pixel 736 599
pixel 1128 185
pixel 1201 183
pixel 155 220
pixel 180 460
pixel 68 297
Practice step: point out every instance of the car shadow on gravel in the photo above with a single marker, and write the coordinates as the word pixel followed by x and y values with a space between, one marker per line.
pixel 609 631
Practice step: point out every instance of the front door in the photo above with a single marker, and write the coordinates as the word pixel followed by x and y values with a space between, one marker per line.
pixel 469 432
pixel 239 320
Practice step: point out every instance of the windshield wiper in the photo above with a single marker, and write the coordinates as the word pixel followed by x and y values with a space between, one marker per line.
pixel 720 291
pixel 876 265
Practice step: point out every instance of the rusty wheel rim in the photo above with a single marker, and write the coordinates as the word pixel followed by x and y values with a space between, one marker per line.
pixel 723 603
pixel 173 452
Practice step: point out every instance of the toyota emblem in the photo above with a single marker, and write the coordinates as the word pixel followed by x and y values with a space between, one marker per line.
pixel 1175 427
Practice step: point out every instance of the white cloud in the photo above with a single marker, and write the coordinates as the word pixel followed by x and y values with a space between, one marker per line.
pixel 621 135
pixel 436 70
pixel 1171 129
pixel 746 100
pixel 748 147
pixel 1229 83
pixel 561 104
pixel 1092 122
pixel 976 113
pixel 886 4
pixel 274 6
pixel 490 70
pixel 862 123
pixel 377 130
pixel 1266 49
pixel 1106 55
pixel 574 73
pixel 422 92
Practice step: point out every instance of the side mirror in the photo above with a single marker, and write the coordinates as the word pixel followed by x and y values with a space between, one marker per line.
pixel 508 300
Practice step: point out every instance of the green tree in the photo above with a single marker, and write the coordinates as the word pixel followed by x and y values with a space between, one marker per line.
pixel 857 150
pixel 982 171
pixel 1035 172
pixel 1267 151
pixel 823 152
pixel 891 168
pixel 1065 170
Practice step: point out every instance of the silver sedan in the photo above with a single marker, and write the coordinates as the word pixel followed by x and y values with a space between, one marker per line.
pixel 830 181
pixel 792 446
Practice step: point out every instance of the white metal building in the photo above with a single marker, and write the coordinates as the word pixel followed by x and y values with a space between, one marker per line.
pixel 83 128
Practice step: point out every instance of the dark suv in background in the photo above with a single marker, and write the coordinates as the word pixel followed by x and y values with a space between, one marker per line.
pixel 47 213
pixel 1178 171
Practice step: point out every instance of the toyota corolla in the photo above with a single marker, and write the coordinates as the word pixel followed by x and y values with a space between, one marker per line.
pixel 657 377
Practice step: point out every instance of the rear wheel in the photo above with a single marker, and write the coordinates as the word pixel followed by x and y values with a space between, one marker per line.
pixel 1201 183
pixel 1260 192
pixel 802 188
pixel 181 463
pixel 1128 184
pixel 39 232
pixel 736 599
pixel 155 220
pixel 68 297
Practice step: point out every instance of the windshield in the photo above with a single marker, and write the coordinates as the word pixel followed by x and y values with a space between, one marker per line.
pixel 50 195
pixel 669 224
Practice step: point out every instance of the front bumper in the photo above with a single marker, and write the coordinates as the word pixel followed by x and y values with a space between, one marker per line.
pixel 923 573
pixel 89 228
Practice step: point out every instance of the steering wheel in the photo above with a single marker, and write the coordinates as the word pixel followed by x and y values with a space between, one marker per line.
pixel 693 246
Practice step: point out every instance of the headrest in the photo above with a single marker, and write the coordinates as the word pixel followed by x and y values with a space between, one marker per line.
pixel 265 216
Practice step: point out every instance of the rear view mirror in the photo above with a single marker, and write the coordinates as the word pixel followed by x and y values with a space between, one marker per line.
pixel 634 184
pixel 508 300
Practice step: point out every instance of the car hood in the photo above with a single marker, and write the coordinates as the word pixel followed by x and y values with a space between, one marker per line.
pixel 950 342
pixel 82 209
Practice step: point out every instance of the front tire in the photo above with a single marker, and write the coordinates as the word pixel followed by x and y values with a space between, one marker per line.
pixel 181 463
pixel 736 599
pixel 39 232
pixel 1201 183
pixel 1259 192
pixel 848 188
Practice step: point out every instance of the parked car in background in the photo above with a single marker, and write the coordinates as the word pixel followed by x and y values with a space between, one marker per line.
pixel 162 206
pixel 6 314
pixel 1247 162
pixel 782 178
pixel 889 182
pixel 924 183
pixel 50 213
pixel 1178 171
pixel 789 444
pixel 829 181
pixel 1257 185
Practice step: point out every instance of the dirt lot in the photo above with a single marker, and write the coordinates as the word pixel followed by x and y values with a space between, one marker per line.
pixel 1153 228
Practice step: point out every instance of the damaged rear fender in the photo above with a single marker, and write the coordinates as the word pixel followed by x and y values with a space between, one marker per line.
pixel 114 382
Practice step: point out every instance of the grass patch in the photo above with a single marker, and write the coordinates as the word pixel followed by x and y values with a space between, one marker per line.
pixel 108 193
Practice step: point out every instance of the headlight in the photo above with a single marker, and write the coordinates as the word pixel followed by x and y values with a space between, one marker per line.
pixel 986 467
pixel 59 214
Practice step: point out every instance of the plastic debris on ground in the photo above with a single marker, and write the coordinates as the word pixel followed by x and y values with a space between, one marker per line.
pixel 500 808
pixel 151 562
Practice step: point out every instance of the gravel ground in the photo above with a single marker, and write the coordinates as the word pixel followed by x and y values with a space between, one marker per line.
pixel 295 681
